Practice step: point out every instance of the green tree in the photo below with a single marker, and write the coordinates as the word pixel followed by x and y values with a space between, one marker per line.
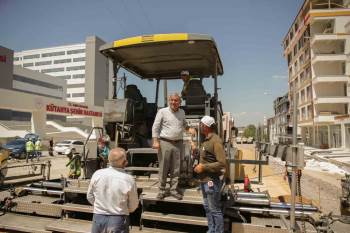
pixel 250 131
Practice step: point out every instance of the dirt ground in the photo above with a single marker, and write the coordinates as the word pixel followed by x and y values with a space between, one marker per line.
pixel 323 188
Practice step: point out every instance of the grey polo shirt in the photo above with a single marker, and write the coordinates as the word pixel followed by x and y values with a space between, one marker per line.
pixel 169 124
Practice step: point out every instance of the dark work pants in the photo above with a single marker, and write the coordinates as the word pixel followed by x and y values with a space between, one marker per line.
pixel 169 163
pixel 110 224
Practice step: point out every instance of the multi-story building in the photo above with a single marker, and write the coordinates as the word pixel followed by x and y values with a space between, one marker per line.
pixel 27 81
pixel 317 48
pixel 279 126
pixel 85 70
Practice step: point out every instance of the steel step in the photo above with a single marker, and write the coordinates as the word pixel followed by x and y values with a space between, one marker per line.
pixel 83 226
pixel 152 196
pixel 75 189
pixel 187 192
pixel 78 208
pixel 70 226
pixel 174 218
pixel 151 230
pixel 37 204
pixel 24 223
pixel 144 169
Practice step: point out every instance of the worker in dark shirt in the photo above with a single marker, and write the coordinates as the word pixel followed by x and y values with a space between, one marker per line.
pixel 211 170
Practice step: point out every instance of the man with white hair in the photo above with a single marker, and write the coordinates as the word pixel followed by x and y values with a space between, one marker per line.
pixel 211 169
pixel 113 194
pixel 167 134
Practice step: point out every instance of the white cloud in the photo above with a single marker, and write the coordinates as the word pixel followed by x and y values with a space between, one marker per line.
pixel 279 76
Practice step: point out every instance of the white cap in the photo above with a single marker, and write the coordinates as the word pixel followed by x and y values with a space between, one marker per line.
pixel 208 120
pixel 185 72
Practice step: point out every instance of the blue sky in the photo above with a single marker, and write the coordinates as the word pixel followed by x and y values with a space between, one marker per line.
pixel 248 33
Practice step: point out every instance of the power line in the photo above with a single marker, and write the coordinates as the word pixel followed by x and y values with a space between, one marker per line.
pixel 118 21
pixel 146 16
pixel 129 13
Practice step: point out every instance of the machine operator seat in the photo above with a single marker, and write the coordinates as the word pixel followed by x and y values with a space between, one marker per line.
pixel 195 97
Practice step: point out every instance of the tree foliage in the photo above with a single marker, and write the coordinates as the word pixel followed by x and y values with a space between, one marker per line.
pixel 250 131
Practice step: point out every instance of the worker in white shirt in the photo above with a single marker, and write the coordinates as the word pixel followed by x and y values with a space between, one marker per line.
pixel 113 194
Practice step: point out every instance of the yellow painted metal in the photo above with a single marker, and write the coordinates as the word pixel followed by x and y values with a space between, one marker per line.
pixel 150 38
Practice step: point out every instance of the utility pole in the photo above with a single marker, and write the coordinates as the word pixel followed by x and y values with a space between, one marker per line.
pixel 294 160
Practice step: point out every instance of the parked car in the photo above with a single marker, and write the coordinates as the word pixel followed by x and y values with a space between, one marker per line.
pixel 31 136
pixel 244 140
pixel 65 147
pixel 250 140
pixel 17 148
pixel 238 139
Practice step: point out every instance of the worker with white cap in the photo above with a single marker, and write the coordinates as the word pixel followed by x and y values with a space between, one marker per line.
pixel 186 78
pixel 211 169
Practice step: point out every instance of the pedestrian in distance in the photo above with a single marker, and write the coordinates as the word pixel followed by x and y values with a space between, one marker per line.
pixel 113 194
pixel 29 150
pixel 167 134
pixel 211 170
pixel 51 147
pixel 38 148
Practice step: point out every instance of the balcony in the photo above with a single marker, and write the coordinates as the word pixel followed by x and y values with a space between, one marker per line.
pixel 324 38
pixel 328 58
pixel 330 79
pixel 324 119
pixel 332 100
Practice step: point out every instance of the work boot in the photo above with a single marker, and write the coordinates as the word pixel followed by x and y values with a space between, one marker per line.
pixel 161 195
pixel 177 196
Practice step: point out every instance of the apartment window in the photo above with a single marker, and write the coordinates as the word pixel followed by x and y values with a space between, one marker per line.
pixel 309 112
pixel 78 76
pixel 300 43
pixel 303 113
pixel 302 96
pixel 76 51
pixel 43 63
pixel 63 76
pixel 28 64
pixel 76 85
pixel 52 70
pixel 62 61
pixel 70 68
pixel 53 54
pixel 78 59
pixel 31 56
pixel 308 93
pixel 16 58
pixel 296 66
pixel 301 59
pixel 78 94
pixel 308 72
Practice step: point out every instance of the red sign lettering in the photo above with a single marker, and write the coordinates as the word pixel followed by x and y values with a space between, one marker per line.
pixel 72 110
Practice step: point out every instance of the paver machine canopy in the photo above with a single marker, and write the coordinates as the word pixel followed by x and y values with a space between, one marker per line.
pixel 162 57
